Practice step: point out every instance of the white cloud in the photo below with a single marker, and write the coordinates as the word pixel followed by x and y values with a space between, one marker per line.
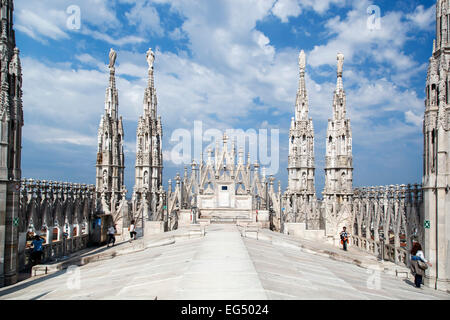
pixel 177 34
pixel 284 9
pixel 383 45
pixel 119 41
pixel 410 117
pixel 423 18
pixel 321 6
pixel 146 18
pixel 47 19
pixel 38 27
pixel 51 135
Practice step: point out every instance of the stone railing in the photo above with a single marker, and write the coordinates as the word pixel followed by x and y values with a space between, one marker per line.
pixel 60 212
pixel 398 255
pixel 58 249
pixel 392 215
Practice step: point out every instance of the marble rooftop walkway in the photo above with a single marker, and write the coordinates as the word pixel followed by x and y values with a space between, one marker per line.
pixel 222 265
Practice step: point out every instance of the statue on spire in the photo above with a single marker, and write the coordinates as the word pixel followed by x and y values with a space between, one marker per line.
pixel 150 58
pixel 302 60
pixel 340 64
pixel 112 58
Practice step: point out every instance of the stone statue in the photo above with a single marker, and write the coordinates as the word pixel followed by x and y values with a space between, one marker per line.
pixel 150 58
pixel 145 178
pixel 302 60
pixel 105 178
pixel 112 58
pixel 105 205
pixel 343 181
pixel 340 64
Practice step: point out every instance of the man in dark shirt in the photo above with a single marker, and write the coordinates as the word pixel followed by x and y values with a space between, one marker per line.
pixel 344 238
pixel 36 255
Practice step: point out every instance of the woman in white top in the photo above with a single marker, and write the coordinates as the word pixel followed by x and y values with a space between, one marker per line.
pixel 111 233
pixel 132 230
pixel 416 255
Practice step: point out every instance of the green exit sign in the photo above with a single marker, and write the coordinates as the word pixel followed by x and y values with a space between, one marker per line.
pixel 427 224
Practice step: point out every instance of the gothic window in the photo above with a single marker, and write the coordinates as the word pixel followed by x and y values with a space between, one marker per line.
pixel 55 234
pixel 343 144
pixel 446 92
pixel 106 141
pixel 75 230
pixel 427 153
pixel 12 85
pixel 433 136
pixel 433 94
pixel 11 159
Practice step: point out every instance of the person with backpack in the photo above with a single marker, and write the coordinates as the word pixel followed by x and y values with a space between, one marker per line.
pixel 111 235
pixel 418 264
pixel 36 254
pixel 344 238
pixel 132 229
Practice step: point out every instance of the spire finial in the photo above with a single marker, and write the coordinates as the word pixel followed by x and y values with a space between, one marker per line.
pixel 301 104
pixel 150 58
pixel 340 69
pixel 112 58
pixel 302 61
pixel 340 64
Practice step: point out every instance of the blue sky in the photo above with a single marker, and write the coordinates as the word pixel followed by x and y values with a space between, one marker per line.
pixel 230 64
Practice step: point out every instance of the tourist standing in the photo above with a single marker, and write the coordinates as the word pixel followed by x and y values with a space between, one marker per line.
pixel 418 264
pixel 111 235
pixel 344 238
pixel 132 230
pixel 36 255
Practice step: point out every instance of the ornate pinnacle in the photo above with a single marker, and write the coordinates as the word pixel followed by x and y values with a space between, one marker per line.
pixel 340 68
pixel 340 64
pixel 302 61
pixel 150 59
pixel 112 58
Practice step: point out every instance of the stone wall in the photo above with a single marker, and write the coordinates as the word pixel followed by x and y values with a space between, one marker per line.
pixel 58 211
pixel 387 219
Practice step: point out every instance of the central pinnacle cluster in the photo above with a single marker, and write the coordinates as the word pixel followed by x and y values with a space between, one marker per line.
pixel 110 186
pixel 301 168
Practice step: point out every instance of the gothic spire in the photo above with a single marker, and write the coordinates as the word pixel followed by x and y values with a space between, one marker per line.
pixel 112 97
pixel 442 27
pixel 7 32
pixel 339 94
pixel 150 100
pixel 301 140
pixel 302 96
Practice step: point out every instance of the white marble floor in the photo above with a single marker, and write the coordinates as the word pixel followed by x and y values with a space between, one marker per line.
pixel 222 265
